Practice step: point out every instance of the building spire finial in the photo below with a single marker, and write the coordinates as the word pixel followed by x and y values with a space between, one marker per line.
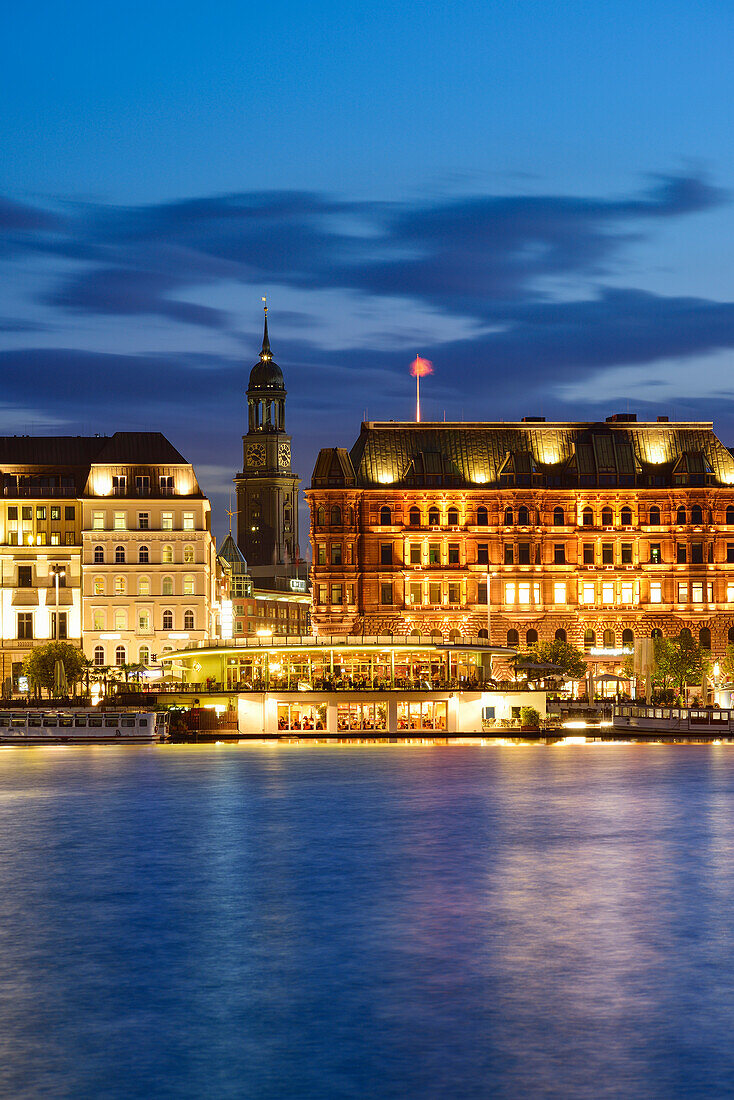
pixel 265 352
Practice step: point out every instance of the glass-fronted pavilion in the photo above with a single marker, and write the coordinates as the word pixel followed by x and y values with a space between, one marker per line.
pixel 382 663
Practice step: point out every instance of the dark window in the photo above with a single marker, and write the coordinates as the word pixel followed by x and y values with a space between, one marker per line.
pixel 704 637
pixel 453 517
pixel 69 538
pixel 189 620
pixel 561 635
pixel 415 553
pixel 69 513
pixel 25 625
pixel 523 516
pixel 483 553
pixel 628 638
pixel 588 553
pixel 99 655
pixel 730 551
pixel 609 640
pixel 119 555
pixel 730 515
pixel 13 511
pixel 559 554
pixel 509 517
pixel 685 633
pixel 453 553
pixel 625 517
pixel 513 638
pixel 434 518
pixel 680 516
pixel 336 553
pixel 120 656
pixel 415 517
pixel 385 594
pixel 385 553
pixel 509 557
pixel 482 592
pixel 680 553
pixel 385 516
pixel 58 625
pixel 730 635
pixel 482 516
pixel 531 637
pixel 696 514
pixel 320 517
pixel 607 553
pixel 523 553
pixel 656 633
pixel 654 516
pixel 607 519
pixel 587 517
pixel 26 512
pixel 25 576
pixel 168 620
pixel 56 513
pixel 626 553
pixel 558 517
pixel 99 555
pixel 655 556
pixel 697 553
pixel 143 555
pixel 336 516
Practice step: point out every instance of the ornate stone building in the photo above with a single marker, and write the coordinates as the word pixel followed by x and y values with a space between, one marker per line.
pixel 267 487
pixel 592 532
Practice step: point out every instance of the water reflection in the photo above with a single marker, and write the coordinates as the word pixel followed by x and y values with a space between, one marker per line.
pixel 467 922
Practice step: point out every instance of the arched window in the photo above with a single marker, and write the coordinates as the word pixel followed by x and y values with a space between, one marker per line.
pixel 730 515
pixel 686 635
pixel 680 516
pixel 509 518
pixel 453 517
pixel 99 554
pixel 385 516
pixel 483 633
pixel 523 516
pixel 704 637
pixel 559 518
pixel 561 635
pixel 143 555
pixel 120 586
pixel 143 621
pixel 99 586
pixel 188 555
pixel 415 517
pixel 188 587
pixel 189 620
pixel 628 637
pixel 144 655
pixel 99 655
pixel 434 517
pixel 120 656
pixel 320 517
pixel 120 618
pixel 454 636
pixel 144 586
pixel 589 639
pixel 696 514
pixel 625 517
pixel 656 633
pixel 119 555
pixel 167 555
pixel 730 635
pixel 168 620
pixel 167 586
pixel 436 636
pixel 654 516
pixel 607 517
pixel 336 516
pixel 482 516
pixel 608 639
pixel 587 518
pixel 531 637
pixel 513 638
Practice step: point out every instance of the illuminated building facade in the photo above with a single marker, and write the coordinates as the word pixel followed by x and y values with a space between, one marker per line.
pixel 591 532
pixel 248 610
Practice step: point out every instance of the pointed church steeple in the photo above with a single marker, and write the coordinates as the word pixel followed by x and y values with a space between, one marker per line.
pixel 265 353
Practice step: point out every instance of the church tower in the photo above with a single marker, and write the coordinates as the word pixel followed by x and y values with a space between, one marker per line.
pixel 267 488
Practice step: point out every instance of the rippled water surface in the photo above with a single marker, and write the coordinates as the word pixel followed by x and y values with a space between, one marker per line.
pixel 367 922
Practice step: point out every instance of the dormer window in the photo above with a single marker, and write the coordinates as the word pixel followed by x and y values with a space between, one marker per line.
pixel 119 485
pixel 166 485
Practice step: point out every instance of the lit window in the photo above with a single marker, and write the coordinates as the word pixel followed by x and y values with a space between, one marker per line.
pixel 166 521
pixel 336 593
pixel 188 588
pixel 188 521
pixel 120 586
pixel 167 555
pixel 143 622
pixel 144 656
pixel 523 592
pixel 167 586
pixel 55 538
pixel 98 521
pixel 120 618
pixel 627 591
pixel 682 591
pixel 730 593
pixel 656 592
pixel 416 593
pixel 607 592
pixel 510 592
pixel 697 592
pixel 559 592
pixel 188 555
pixel 98 586
pixel 98 620
pixel 588 594
pixel 119 522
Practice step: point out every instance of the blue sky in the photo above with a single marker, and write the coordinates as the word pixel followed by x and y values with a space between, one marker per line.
pixel 535 196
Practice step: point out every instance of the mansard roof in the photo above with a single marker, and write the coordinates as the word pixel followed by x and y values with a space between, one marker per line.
pixel 619 451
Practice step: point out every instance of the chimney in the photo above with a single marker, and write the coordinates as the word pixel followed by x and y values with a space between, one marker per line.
pixel 622 418
pixel 663 419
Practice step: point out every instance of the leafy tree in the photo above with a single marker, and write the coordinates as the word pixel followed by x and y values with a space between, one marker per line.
pixel 530 717
pixel 570 660
pixel 687 660
pixel 40 665
pixel 727 665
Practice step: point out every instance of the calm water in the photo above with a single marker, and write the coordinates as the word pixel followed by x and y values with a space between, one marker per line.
pixel 387 922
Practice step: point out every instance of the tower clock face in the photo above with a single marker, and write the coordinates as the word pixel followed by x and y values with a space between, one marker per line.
pixel 284 454
pixel 256 455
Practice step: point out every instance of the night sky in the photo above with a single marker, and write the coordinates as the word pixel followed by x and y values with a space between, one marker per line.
pixel 535 196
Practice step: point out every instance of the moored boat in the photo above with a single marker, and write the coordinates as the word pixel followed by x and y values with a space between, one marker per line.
pixel 77 725
pixel 688 723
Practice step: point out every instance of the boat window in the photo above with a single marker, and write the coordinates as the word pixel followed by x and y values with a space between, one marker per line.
pixel 143 722
pixel 33 720
pixel 81 721
pixel 127 722
pixel 49 720
pixel 65 720
pixel 4 722
pixel 96 722
pixel 658 713
pixel 110 723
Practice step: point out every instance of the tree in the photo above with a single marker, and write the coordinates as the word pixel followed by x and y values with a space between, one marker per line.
pixel 678 661
pixel 40 665
pixel 727 665
pixel 570 660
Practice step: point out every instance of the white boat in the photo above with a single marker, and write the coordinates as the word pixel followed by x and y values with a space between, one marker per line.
pixel 78 725
pixel 704 723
